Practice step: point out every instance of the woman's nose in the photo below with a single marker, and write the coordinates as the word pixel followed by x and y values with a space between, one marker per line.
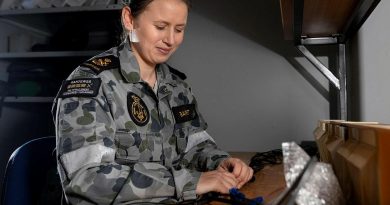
pixel 169 38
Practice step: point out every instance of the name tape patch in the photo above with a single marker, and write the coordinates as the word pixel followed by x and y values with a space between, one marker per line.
pixel 184 113
pixel 84 87
pixel 102 63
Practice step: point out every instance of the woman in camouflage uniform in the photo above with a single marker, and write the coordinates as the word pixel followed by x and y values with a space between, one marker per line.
pixel 128 127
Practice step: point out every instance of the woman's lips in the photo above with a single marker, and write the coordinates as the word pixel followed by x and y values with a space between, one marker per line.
pixel 164 51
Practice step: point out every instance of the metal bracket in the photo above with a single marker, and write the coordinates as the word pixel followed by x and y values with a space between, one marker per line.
pixel 319 41
pixel 343 106
pixel 340 84
pixel 321 67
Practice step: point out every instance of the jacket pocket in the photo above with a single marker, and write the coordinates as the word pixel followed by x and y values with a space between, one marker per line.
pixel 181 133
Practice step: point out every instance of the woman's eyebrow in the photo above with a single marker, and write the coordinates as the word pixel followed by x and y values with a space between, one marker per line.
pixel 167 23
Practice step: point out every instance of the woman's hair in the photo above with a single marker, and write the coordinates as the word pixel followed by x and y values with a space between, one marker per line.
pixel 139 6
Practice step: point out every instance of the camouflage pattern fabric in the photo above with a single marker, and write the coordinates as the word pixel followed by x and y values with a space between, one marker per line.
pixel 119 142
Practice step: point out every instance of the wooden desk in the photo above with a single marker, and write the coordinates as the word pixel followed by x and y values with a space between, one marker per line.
pixel 269 181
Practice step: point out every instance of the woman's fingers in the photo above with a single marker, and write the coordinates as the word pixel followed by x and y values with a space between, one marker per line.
pixel 219 181
pixel 242 172
pixel 247 175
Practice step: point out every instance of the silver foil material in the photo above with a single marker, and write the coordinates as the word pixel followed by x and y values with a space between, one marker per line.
pixel 294 161
pixel 321 187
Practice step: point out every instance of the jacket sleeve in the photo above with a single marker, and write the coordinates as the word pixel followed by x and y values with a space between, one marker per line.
pixel 198 153
pixel 86 158
pixel 205 156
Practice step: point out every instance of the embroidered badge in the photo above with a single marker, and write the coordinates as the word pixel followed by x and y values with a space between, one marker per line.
pixel 102 63
pixel 184 113
pixel 138 111
pixel 83 87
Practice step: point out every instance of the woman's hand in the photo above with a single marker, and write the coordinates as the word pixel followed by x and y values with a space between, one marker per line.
pixel 242 172
pixel 217 180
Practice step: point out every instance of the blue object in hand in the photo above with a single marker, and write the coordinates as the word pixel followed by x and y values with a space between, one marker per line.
pixel 240 197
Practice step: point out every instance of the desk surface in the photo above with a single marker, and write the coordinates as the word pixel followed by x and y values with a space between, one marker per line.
pixel 269 181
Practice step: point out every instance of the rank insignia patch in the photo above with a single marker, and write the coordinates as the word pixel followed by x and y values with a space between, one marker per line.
pixel 138 111
pixel 83 87
pixel 102 63
pixel 184 113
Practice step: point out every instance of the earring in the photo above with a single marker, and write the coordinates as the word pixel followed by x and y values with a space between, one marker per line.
pixel 133 37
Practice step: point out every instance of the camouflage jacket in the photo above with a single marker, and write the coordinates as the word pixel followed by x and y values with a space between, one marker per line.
pixel 120 142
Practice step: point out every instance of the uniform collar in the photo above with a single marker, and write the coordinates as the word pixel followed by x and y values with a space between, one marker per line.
pixel 128 63
pixel 130 69
pixel 165 75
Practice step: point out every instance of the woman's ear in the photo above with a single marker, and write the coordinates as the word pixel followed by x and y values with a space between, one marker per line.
pixel 127 19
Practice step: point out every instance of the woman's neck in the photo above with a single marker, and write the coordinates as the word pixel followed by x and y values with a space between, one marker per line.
pixel 147 71
pixel 148 74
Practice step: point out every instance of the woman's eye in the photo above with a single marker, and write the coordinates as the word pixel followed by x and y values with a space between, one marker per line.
pixel 179 29
pixel 160 27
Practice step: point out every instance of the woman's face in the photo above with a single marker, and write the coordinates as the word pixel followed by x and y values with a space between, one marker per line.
pixel 160 30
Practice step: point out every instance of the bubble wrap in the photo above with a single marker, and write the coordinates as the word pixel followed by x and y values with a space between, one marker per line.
pixel 294 161
pixel 322 187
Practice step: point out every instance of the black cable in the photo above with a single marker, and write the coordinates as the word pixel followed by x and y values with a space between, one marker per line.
pixel 262 159
pixel 207 199
pixel 257 163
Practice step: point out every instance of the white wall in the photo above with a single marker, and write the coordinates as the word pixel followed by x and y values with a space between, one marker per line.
pixel 251 96
pixel 371 67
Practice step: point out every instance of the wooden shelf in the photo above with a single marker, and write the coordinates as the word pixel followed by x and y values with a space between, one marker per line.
pixel 28 99
pixel 59 10
pixel 52 25
pixel 48 54
pixel 319 18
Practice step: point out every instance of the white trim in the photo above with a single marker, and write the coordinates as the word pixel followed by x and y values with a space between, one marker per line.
pixel 197 138
pixel 93 154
